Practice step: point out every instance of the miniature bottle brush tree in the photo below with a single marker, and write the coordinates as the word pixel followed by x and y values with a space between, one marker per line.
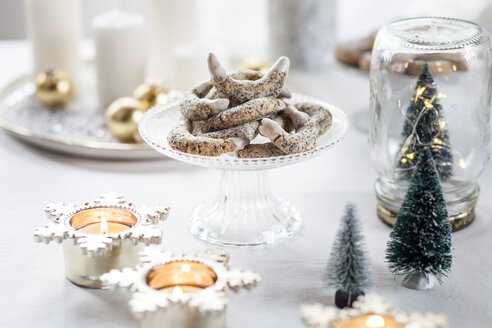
pixel 420 243
pixel 348 266
pixel 425 126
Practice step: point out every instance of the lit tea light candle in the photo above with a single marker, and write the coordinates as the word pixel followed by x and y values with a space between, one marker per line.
pixel 369 321
pixel 101 235
pixel 369 311
pixel 181 290
pixel 190 277
pixel 101 221
pixel 188 291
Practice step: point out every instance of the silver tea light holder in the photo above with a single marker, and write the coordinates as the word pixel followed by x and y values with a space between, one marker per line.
pixel 105 234
pixel 370 310
pixel 181 291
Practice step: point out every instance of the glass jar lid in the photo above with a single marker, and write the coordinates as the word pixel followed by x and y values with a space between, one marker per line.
pixel 436 33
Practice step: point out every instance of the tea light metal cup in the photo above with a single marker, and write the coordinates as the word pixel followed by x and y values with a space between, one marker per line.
pixel 98 236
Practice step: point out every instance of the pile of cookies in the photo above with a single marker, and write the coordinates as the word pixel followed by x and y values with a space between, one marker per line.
pixel 358 53
pixel 226 113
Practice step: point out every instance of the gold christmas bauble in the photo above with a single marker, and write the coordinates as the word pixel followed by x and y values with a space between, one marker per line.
pixel 254 64
pixel 150 95
pixel 53 88
pixel 122 118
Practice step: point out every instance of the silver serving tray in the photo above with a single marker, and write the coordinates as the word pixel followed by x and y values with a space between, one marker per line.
pixel 77 130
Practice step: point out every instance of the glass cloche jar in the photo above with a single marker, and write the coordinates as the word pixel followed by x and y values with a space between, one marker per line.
pixel 430 87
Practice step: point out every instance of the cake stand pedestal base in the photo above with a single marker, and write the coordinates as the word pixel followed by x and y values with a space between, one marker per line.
pixel 245 213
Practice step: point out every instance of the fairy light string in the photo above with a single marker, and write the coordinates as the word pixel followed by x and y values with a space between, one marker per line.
pixel 424 126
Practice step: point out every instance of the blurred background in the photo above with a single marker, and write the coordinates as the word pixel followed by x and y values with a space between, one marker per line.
pixel 263 29
pixel 260 29
pixel 356 17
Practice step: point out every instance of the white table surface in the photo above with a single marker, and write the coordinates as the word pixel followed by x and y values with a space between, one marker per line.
pixel 34 291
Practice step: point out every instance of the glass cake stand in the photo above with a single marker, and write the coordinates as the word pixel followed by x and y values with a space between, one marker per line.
pixel 244 212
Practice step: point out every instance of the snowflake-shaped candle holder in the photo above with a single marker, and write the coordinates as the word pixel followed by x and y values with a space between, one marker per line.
pixel 369 310
pixel 102 235
pixel 180 290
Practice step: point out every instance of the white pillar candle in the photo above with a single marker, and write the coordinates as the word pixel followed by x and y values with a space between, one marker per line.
pixel 55 28
pixel 190 64
pixel 120 44
pixel 171 23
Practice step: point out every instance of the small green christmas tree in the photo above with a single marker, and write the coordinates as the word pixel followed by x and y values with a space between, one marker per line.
pixel 425 126
pixel 348 267
pixel 420 243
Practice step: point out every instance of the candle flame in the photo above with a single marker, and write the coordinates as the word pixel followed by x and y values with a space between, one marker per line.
pixel 186 267
pixel 375 321
pixel 104 226
pixel 177 292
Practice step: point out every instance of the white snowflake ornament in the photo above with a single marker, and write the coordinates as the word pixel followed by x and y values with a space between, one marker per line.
pixel 427 320
pixel 51 231
pixel 94 245
pixel 110 199
pixel 318 316
pixel 55 211
pixel 155 213
pixel 239 279
pixel 373 303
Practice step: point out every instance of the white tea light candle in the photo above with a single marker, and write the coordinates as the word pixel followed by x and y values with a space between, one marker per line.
pixel 188 68
pixel 120 42
pixel 54 28
pixel 170 23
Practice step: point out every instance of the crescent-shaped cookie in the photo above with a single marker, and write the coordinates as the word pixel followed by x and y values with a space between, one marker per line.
pixel 246 130
pixel 259 150
pixel 246 75
pixel 239 91
pixel 247 112
pixel 303 139
pixel 319 114
pixel 195 107
pixel 181 139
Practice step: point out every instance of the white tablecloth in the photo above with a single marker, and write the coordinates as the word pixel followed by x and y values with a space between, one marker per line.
pixel 35 292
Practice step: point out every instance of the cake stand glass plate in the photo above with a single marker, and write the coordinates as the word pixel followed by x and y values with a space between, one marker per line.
pixel 244 212
pixel 79 129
